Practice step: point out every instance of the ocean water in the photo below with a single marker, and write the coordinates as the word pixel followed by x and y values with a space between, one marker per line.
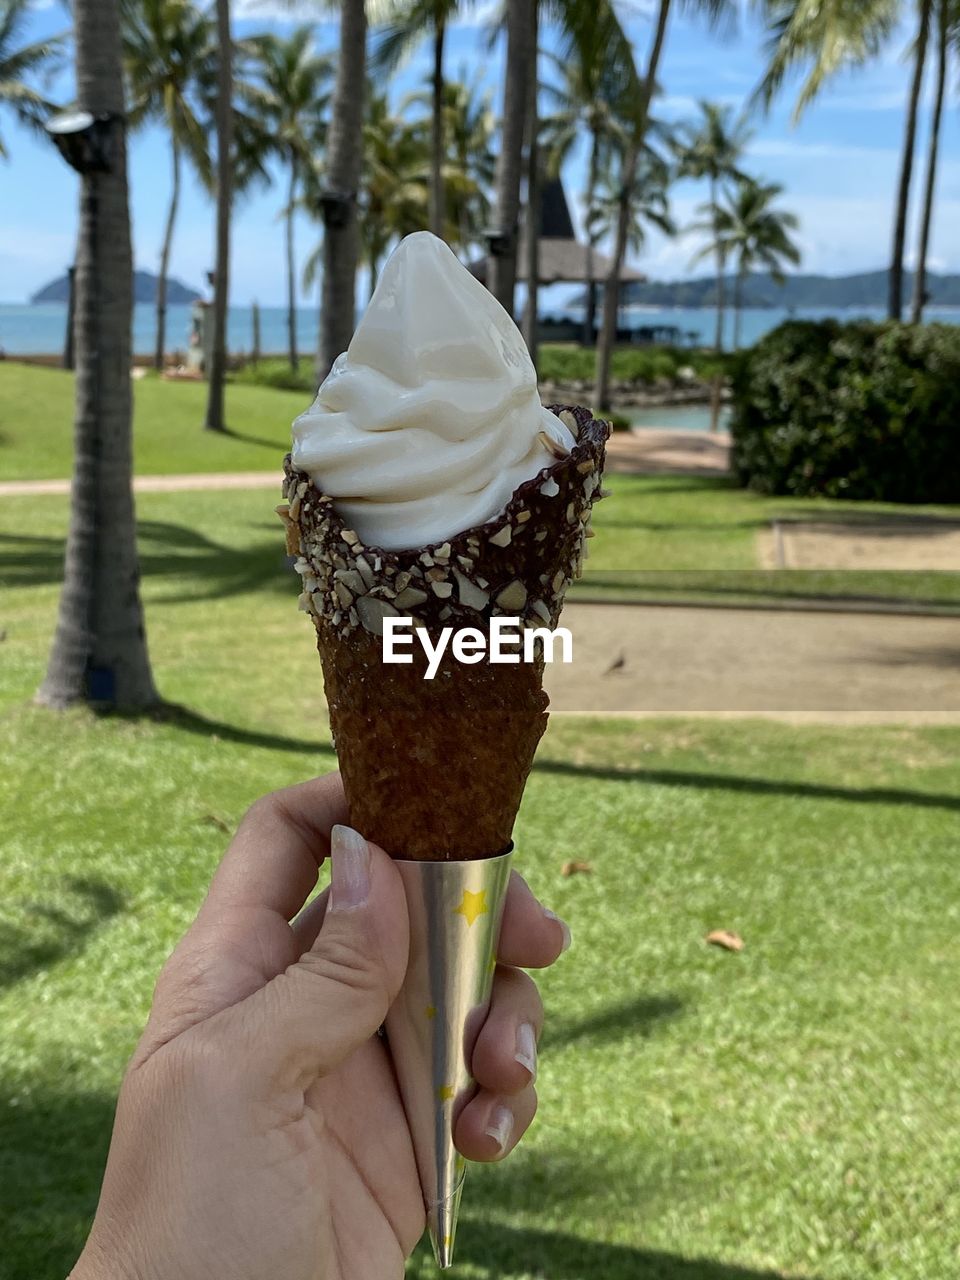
pixel 678 417
pixel 39 330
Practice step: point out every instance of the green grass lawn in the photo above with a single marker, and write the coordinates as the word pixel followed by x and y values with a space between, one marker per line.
pixel 36 426
pixel 664 537
pixel 696 538
pixel 785 1112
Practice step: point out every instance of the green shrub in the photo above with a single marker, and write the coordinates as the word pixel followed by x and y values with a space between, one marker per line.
pixel 867 411
pixel 561 362
pixel 277 373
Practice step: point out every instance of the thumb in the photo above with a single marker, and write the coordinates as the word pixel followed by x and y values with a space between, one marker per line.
pixel 307 1020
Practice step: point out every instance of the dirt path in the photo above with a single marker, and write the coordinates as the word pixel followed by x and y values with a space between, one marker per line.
pixel 642 453
pixel 833 668
pixel 655 451
pixel 865 542
pixel 153 484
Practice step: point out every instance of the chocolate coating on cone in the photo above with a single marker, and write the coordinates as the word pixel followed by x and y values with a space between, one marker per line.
pixel 435 769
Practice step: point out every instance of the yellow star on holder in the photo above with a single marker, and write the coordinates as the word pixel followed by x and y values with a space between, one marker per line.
pixel 431 1011
pixel 445 1092
pixel 473 906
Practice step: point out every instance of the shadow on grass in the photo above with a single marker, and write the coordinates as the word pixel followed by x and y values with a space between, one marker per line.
pixel 743 588
pixel 718 527
pixel 192 722
pixel 665 482
pixel 47 932
pixel 637 1017
pixel 209 570
pixel 53 1147
pixel 753 786
pixel 275 446
pixel 881 524
pixel 525 1251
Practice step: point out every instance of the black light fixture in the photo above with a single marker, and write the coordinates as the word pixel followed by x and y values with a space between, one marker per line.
pixel 498 241
pixel 85 141
pixel 335 207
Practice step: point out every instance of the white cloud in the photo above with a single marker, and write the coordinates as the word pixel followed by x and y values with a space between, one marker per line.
pixel 787 149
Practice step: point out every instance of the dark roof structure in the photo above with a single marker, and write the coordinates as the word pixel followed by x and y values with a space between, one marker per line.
pixel 563 259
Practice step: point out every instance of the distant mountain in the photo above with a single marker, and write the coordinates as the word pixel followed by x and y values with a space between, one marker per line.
pixel 144 290
pixel 830 292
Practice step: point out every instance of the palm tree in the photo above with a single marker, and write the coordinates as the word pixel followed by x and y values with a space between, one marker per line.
pixel 830 35
pixel 583 102
pixel 534 190
pixel 712 149
pixel 947 17
pixel 99 651
pixel 895 308
pixel 403 24
pixel 592 22
pixel 339 201
pixel 752 233
pixel 19 61
pixel 634 108
pixel 825 35
pixel 520 55
pixel 217 373
pixel 166 46
pixel 394 196
pixel 469 163
pixel 289 97
pixel 649 201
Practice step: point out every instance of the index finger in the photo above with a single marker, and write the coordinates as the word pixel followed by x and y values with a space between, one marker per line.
pixel 274 859
pixel 531 937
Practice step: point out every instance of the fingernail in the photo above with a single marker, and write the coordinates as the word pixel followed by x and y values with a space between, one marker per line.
pixel 349 869
pixel 567 939
pixel 526 1053
pixel 500 1126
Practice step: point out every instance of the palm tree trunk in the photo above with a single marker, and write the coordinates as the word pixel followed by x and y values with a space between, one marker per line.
pixel 906 165
pixel 437 146
pixel 502 264
pixel 590 318
pixel 99 651
pixel 341 240
pixel 533 192
pixel 721 269
pixel 291 271
pixel 920 276
pixel 737 308
pixel 216 374
pixel 611 288
pixel 161 340
pixel 255 353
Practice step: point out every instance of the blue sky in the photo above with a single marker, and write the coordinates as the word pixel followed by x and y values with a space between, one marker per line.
pixel 838 166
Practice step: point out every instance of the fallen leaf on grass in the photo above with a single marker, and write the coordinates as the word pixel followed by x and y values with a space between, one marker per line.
pixel 726 939
pixel 576 868
pixel 214 821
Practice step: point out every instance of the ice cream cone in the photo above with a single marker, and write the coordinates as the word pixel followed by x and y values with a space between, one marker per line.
pixel 434 769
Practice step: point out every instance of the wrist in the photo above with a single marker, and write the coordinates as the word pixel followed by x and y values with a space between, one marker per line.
pixel 100 1261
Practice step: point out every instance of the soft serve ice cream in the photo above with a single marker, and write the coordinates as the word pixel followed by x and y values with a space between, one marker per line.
pixel 431 419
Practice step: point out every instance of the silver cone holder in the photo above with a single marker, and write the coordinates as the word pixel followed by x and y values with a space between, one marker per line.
pixel 455 912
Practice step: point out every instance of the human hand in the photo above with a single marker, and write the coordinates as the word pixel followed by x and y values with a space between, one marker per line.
pixel 259 1132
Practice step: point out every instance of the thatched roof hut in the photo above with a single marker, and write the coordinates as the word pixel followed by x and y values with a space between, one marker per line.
pixel 563 258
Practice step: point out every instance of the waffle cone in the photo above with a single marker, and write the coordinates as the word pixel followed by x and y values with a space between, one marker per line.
pixel 435 769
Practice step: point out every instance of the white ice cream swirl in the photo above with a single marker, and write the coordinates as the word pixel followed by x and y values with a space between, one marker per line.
pixel 429 421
